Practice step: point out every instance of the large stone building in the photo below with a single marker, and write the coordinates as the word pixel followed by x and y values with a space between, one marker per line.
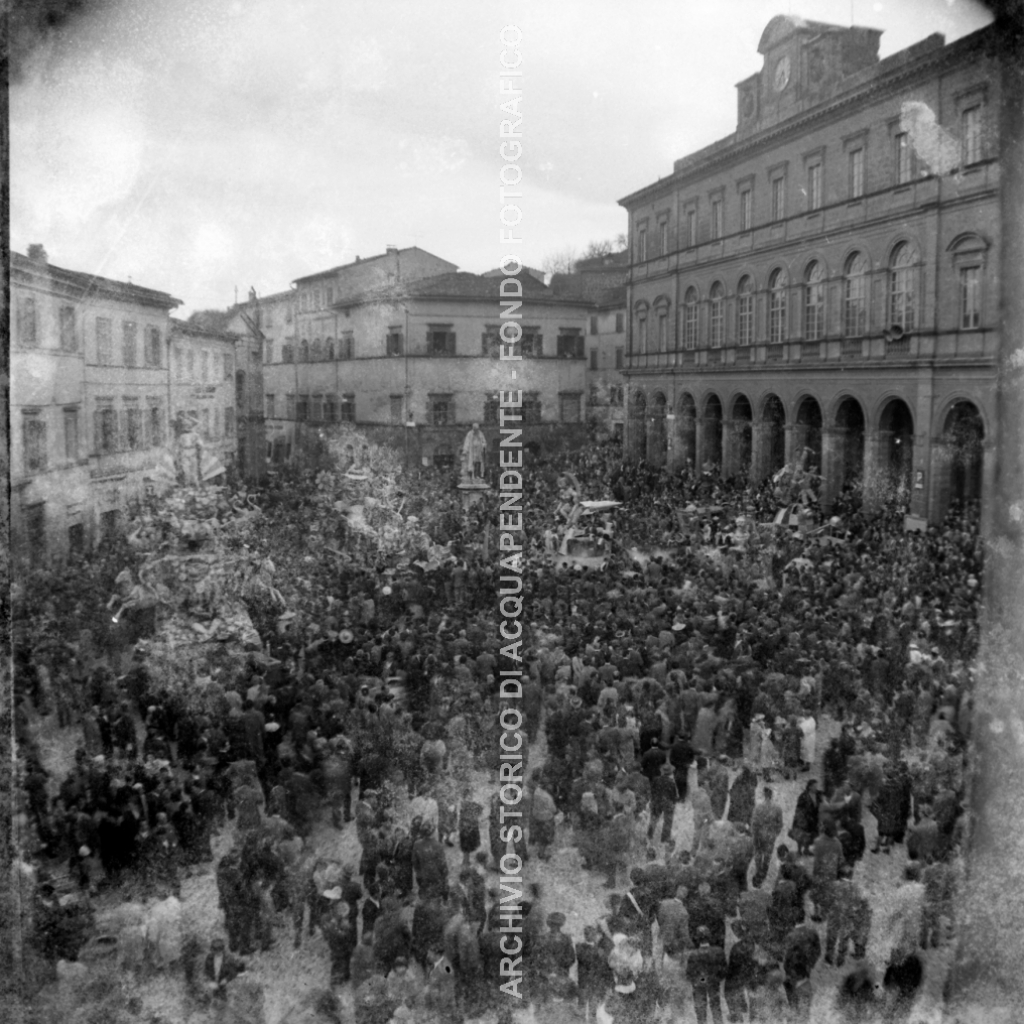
pixel 827 276
pixel 101 379
pixel 406 347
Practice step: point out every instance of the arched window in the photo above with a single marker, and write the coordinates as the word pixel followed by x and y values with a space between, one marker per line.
pixel 745 311
pixel 903 287
pixel 303 351
pixel 777 285
pixel 317 351
pixel 690 318
pixel 717 314
pixel 814 301
pixel 329 349
pixel 855 296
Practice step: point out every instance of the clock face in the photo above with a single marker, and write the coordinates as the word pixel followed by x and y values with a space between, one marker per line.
pixel 782 74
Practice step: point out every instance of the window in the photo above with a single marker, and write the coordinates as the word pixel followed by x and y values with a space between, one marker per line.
pixel 287 353
pixel 716 218
pixel 691 316
pixel 229 421
pixel 616 395
pixel 347 345
pixel 216 421
pixel 268 316
pixel 444 458
pixel 663 237
pixel 970 298
pixel 440 410
pixel 620 357
pixel 971 122
pixel 902 158
pixel 395 341
pixel 289 407
pixel 777 285
pixel 316 352
pixel 316 298
pixel 902 287
pixel 620 323
pixel 532 343
pixel 303 351
pixel 531 407
pixel 440 340
pixel 490 342
pixel 330 352
pixel 569 408
pixel 593 325
pixel 641 331
pixel 491 403
pixel 270 406
pixel 778 198
pixel 641 244
pixel 328 296
pixel 302 408
pixel 814 301
pixel 105 427
pixel 268 352
pixel 856 158
pixel 691 227
pixel 570 343
pixel 347 412
pixel 68 333
pixel 155 426
pixel 104 341
pixel 331 408
pixel 593 358
pixel 204 422
pixel 129 343
pixel 855 296
pixel 746 209
pixel 745 311
pixel 153 346
pixel 397 402
pixel 717 314
pixel 316 409
pixel 33 431
pixel 663 329
pixel 28 334
pixel 814 187
pixel 76 538
pixel 110 524
pixel 204 366
pixel 71 435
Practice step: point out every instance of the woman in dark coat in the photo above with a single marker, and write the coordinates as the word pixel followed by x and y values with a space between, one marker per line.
pixel 805 818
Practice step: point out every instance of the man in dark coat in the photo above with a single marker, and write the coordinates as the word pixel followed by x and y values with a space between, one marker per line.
pixel 663 802
pixel 430 865
pixel 220 968
pixel 340 936
pixel 681 757
pixel 706 969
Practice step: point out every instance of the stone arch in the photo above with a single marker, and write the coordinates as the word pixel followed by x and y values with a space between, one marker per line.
pixel 895 449
pixel 959 454
pixel 686 431
pixel 808 431
pixel 713 426
pixel 657 436
pixel 741 447
pixel 773 427
pixel 849 424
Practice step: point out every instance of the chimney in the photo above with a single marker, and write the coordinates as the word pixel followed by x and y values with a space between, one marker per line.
pixel 392 250
pixel 38 253
pixel 357 259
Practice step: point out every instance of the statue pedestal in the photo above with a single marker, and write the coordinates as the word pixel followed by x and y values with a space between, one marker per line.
pixel 472 491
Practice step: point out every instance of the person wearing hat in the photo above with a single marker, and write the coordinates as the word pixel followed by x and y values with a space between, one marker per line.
pixel 339 934
pixel 663 801
pixel 706 969
pixel 542 817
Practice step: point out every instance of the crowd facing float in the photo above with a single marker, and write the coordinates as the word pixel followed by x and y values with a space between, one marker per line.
pixel 671 687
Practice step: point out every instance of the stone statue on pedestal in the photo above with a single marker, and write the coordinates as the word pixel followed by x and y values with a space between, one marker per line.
pixel 474 446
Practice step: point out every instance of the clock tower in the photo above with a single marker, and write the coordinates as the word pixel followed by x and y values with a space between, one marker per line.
pixel 805 63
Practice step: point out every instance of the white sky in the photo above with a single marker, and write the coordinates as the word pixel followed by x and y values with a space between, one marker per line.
pixel 200 145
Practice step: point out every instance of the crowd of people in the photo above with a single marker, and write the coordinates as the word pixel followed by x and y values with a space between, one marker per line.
pixel 669 691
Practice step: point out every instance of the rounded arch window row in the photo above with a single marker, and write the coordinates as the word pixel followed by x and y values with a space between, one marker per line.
pixel 803 300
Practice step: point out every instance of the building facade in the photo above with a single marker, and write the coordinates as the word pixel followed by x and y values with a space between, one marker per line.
pixel 414 360
pixel 90 401
pixel 824 282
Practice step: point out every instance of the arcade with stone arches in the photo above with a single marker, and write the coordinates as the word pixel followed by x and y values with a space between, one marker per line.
pixel 850 437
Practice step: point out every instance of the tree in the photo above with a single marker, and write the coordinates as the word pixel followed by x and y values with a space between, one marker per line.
pixel 561 262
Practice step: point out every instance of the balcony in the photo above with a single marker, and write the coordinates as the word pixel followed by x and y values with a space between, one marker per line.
pixel 810 351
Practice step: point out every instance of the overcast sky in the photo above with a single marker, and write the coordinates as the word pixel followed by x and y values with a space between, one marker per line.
pixel 200 145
